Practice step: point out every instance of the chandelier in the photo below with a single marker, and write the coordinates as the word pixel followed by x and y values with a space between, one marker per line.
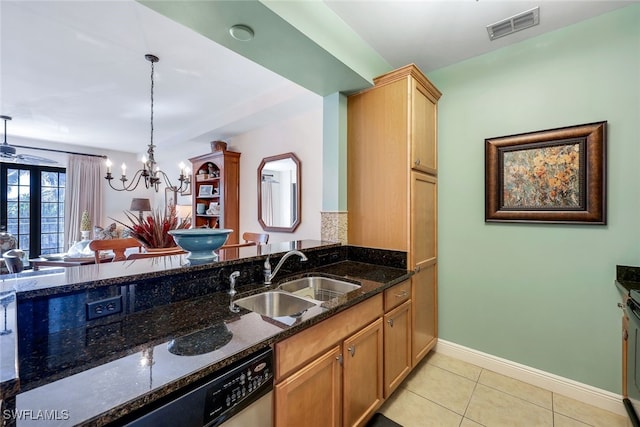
pixel 150 173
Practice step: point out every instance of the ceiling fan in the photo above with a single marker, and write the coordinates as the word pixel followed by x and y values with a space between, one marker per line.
pixel 8 152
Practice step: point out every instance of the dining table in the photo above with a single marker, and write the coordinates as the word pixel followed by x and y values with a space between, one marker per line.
pixel 64 261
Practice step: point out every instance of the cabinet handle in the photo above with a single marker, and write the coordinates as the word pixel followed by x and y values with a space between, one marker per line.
pixel 339 358
pixel 390 322
pixel 402 294
pixel 417 162
pixel 352 350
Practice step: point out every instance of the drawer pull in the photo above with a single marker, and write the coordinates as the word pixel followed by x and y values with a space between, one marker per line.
pixel 402 294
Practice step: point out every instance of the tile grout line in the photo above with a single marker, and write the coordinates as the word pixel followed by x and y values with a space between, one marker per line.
pixel 434 402
pixel 478 381
pixel 475 386
pixel 515 396
pixel 565 415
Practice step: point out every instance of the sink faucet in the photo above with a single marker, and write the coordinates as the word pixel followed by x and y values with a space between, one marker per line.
pixel 268 275
pixel 232 291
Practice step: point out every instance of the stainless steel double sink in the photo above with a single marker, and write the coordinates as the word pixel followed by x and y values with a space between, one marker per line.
pixel 294 297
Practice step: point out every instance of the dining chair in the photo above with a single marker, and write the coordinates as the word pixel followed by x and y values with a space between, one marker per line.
pixel 118 246
pixel 258 238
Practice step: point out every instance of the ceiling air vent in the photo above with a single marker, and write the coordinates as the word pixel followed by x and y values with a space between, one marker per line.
pixel 515 23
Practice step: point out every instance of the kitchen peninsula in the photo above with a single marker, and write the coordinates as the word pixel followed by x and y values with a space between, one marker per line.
pixel 87 369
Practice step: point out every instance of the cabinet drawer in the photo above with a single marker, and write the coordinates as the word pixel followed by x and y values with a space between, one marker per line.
pixel 295 351
pixel 396 295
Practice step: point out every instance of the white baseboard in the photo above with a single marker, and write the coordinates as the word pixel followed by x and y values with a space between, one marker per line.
pixel 582 392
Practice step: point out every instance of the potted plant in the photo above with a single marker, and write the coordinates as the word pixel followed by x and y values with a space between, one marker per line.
pixel 85 226
pixel 152 231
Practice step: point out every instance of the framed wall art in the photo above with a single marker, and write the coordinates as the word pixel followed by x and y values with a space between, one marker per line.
pixel 550 176
pixel 170 198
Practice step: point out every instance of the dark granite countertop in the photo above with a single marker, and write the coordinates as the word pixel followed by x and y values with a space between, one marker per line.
pixel 96 372
pixel 628 277
pixel 33 284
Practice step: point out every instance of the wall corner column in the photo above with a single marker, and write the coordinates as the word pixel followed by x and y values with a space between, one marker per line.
pixel 334 169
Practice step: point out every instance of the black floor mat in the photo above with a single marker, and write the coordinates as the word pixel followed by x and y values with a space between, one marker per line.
pixel 379 420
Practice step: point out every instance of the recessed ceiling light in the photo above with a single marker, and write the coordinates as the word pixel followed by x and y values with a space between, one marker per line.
pixel 241 32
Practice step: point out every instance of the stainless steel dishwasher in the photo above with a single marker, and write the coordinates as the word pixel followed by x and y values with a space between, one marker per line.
pixel 239 394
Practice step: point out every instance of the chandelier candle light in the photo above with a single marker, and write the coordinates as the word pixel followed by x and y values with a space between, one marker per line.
pixel 150 172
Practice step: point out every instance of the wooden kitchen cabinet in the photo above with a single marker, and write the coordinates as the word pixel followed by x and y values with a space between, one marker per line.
pixel 424 313
pixel 397 346
pixel 396 295
pixel 424 154
pixel 392 184
pixel 216 179
pixel 339 358
pixel 312 397
pixel 422 256
pixel 362 374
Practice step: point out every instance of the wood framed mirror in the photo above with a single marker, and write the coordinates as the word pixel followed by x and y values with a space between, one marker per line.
pixel 279 179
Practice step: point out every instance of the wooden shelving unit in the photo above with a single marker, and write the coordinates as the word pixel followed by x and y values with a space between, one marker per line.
pixel 216 179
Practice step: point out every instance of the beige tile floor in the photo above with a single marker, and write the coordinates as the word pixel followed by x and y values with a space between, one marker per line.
pixel 447 392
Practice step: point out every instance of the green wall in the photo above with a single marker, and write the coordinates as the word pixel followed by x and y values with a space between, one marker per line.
pixel 540 295
pixel 334 153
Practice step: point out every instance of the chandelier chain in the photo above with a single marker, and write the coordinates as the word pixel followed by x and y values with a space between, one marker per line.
pixel 152 86
pixel 150 174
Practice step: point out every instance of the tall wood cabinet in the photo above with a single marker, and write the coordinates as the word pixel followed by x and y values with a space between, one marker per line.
pixel 392 184
pixel 216 182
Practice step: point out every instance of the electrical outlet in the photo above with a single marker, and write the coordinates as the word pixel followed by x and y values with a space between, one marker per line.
pixel 104 307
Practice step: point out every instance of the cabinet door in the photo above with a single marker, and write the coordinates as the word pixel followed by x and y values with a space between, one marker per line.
pixel 362 374
pixel 424 312
pixel 397 346
pixel 423 124
pixel 312 396
pixel 377 172
pixel 424 197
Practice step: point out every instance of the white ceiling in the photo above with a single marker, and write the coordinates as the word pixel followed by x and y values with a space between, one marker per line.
pixel 436 33
pixel 74 71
